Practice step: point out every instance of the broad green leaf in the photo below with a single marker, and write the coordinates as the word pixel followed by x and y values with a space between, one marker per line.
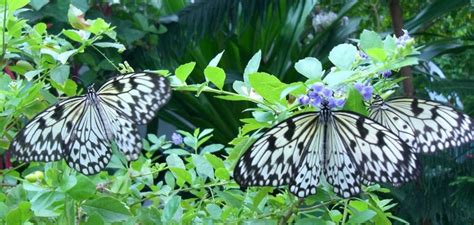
pixel 336 78
pixel 175 161
pixel 370 39
pixel 110 209
pixel 94 219
pixel 75 17
pixel 171 207
pixel 355 102
pixel 214 211
pixel 252 67
pixel 309 67
pixel 390 44
pixel 203 167
pixel 212 148
pixel 296 89
pixel 60 74
pixel 32 74
pixel 378 54
pixel 215 60
pixel 73 35
pixel 261 194
pixel 98 26
pixel 121 185
pixel 45 204
pixel 20 214
pixel 16 4
pixel 343 56
pixel 268 86
pixel 183 71
pixel 182 174
pixel 216 75
pixel 64 56
pixel 359 205
pixel 361 217
pixel 215 161
pixel 83 189
pixel 335 215
pixel 222 173
pixel 232 199
pixel 38 4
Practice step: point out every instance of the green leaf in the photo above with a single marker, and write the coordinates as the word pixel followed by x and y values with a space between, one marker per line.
pixel 252 67
pixel 110 209
pixel 83 189
pixel 32 74
pixel 335 215
pixel 296 89
pixel 309 67
pixel 175 161
pixel 214 211
pixel 181 174
pixel 361 217
pixel 94 219
pixel 183 71
pixel 359 205
pixel 64 56
pixel 73 35
pixel 203 167
pixel 121 185
pixel 16 4
pixel 212 148
pixel 20 214
pixel 355 102
pixel 268 86
pixel 171 207
pixel 343 56
pixel 232 199
pixel 370 39
pixel 98 26
pixel 335 78
pixel 60 74
pixel 120 47
pixel 216 75
pixel 222 174
pixel 38 4
pixel 215 161
pixel 44 204
pixel 215 60
pixel 377 54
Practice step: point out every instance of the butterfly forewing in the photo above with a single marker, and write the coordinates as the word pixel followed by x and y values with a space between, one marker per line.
pixel 432 125
pixel 43 138
pixel 137 95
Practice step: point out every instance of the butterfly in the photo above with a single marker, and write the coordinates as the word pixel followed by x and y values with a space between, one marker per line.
pixel 81 129
pixel 427 126
pixel 346 148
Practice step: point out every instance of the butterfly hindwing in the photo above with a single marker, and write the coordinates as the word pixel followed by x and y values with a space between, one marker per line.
pixel 88 148
pixel 433 126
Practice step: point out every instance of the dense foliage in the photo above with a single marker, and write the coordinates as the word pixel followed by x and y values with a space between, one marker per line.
pixel 56 48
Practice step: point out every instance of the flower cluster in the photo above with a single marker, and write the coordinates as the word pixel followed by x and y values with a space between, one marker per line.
pixel 362 55
pixel 317 94
pixel 365 90
pixel 386 73
pixel 176 139
pixel 403 40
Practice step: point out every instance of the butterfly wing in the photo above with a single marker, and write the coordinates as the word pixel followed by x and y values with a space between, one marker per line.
pixel 434 126
pixel 276 157
pixel 43 138
pixel 379 154
pixel 136 96
pixel 88 147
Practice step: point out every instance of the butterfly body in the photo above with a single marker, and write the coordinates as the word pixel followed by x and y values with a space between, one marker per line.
pixel 81 129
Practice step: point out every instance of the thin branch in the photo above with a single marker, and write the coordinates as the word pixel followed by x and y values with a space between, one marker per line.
pixel 293 209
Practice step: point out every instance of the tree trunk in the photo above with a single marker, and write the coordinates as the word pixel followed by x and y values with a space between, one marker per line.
pixel 397 25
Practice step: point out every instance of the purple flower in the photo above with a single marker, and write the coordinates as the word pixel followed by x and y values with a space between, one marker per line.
pixel 386 73
pixel 303 99
pixel 340 102
pixel 402 40
pixel 312 94
pixel 331 102
pixel 326 92
pixel 359 86
pixel 316 101
pixel 317 87
pixel 367 92
pixel 362 55
pixel 176 138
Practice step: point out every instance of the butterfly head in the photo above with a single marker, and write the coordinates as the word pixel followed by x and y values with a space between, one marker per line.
pixel 90 89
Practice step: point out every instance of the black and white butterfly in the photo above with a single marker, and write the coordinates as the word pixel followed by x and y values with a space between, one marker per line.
pixel 346 148
pixel 81 129
pixel 426 126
